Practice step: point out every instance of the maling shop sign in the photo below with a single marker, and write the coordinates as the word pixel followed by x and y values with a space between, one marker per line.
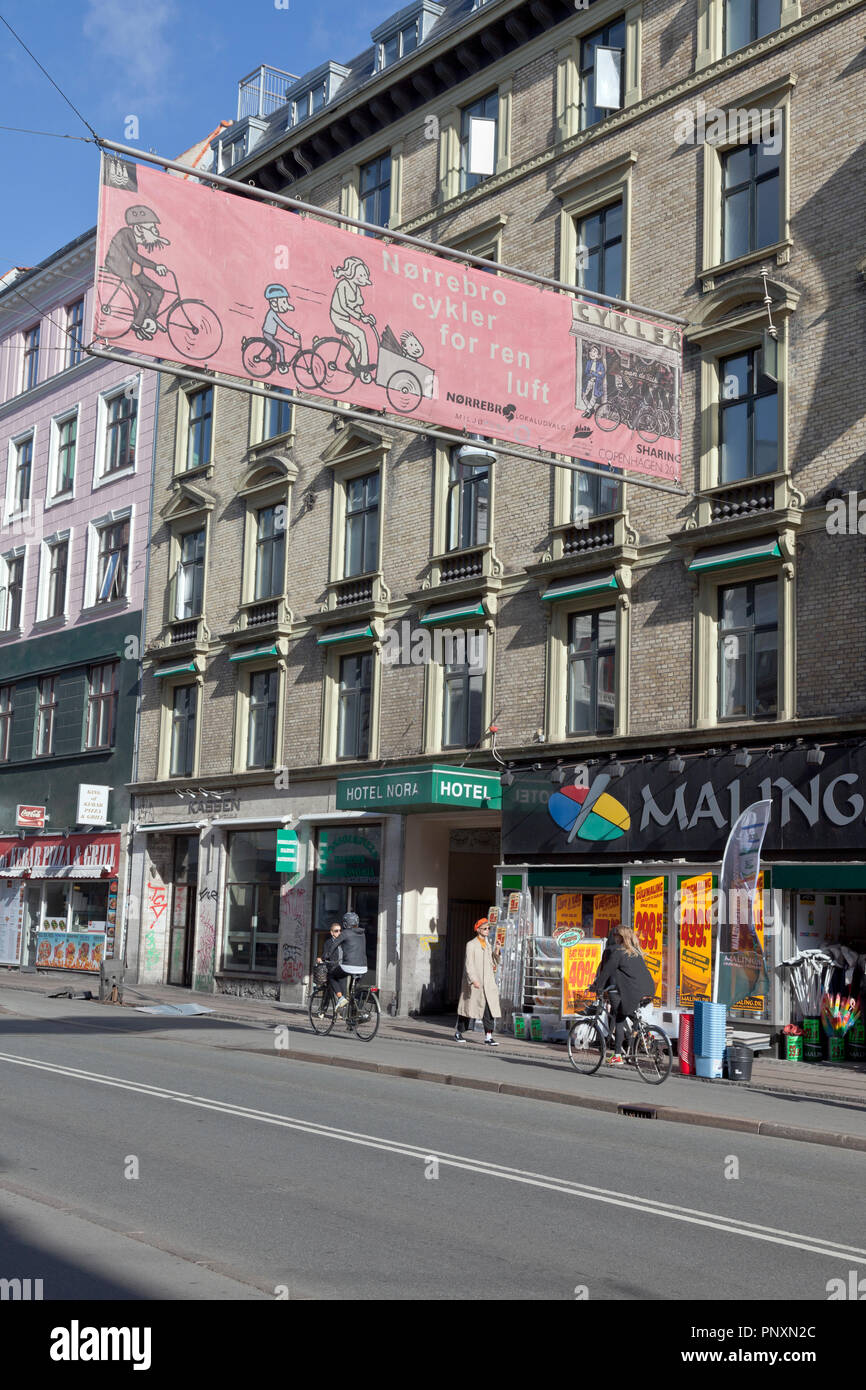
pixel 654 811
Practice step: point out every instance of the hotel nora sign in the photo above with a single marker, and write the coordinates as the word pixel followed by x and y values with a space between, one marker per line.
pixel 420 789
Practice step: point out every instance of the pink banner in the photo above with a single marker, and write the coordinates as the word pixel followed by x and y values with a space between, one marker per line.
pixel 195 275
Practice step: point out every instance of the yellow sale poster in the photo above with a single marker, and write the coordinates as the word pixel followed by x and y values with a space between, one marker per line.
pixel 606 913
pixel 649 924
pixel 579 968
pixel 756 1003
pixel 696 939
pixel 569 912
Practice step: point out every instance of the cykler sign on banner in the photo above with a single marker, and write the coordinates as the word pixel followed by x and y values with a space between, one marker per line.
pixel 696 939
pixel 648 920
pixel 204 277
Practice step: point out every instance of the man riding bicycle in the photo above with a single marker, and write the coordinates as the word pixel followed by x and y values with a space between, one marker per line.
pixel 353 950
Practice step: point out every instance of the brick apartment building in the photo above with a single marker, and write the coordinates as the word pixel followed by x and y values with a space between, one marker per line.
pixel 700 650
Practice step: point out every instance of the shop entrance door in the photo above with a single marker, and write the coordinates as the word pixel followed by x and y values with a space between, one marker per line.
pixel 463 913
pixel 184 898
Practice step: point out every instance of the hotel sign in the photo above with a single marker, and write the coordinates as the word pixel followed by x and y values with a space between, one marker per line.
pixel 420 789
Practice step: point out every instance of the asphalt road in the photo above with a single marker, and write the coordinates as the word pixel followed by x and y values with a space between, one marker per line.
pixel 169 1164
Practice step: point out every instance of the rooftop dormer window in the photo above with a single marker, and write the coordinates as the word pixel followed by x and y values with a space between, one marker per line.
pixel 397 45
pixel 308 104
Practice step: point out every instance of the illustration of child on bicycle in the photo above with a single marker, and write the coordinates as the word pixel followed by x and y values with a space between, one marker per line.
pixel 347 309
pixel 278 304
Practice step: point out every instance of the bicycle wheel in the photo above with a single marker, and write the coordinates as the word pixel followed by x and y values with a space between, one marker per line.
pixel 194 329
pixel 652 1054
pixel 645 420
pixel 586 1046
pixel 337 377
pixel 309 369
pixel 258 357
pixel 404 391
pixel 607 416
pixel 114 308
pixel 365 1015
pixel 321 1011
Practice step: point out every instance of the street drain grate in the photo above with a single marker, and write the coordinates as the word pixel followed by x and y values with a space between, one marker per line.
pixel 639 1112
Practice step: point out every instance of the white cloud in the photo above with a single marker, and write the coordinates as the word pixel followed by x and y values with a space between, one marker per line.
pixel 130 42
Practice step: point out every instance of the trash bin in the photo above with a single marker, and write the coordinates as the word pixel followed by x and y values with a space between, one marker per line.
pixel 685 1046
pixel 738 1061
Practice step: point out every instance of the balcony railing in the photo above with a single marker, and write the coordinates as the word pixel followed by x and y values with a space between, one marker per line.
pixel 263 91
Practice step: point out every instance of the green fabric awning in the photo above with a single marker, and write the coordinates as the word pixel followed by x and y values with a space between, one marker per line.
pixel 344 634
pixel 577 588
pixel 820 878
pixel 726 557
pixel 254 653
pixel 455 612
pixel 182 670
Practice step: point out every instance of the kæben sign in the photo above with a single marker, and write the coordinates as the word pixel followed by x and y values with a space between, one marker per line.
pixel 197 275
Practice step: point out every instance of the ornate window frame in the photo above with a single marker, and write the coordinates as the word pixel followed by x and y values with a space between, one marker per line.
pixel 710 31
pixel 559 614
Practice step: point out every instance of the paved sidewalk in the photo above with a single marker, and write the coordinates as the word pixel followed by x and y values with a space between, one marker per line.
pixel 820 1103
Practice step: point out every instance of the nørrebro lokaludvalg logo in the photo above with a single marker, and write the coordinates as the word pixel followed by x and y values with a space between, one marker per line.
pixel 589 813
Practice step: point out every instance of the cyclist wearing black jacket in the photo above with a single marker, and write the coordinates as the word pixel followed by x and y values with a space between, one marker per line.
pixel 353 949
pixel 623 973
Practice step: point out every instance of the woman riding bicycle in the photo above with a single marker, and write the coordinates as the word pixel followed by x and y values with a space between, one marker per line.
pixel 353 951
pixel 623 973
pixel 347 309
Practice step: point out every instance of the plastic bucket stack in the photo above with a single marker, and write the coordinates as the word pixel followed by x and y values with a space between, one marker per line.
pixel 709 1038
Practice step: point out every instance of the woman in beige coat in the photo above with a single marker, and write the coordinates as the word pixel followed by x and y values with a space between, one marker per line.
pixel 479 997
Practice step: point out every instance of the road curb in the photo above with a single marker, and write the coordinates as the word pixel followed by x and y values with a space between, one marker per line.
pixel 765 1129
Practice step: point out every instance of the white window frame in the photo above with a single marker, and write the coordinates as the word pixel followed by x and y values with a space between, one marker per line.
pixel 16 553
pixel 331 698
pixel 706 646
pixel 103 405
pixel 167 692
pixel 201 470
pixel 397 32
pixel 53 498
pixel 95 527
pixel 775 96
pixel 598 16
pixel 434 686
pixel 177 536
pixel 556 712
pixel 449 136
pixel 45 558
pixel 350 187
pixel 711 26
pixel 12 455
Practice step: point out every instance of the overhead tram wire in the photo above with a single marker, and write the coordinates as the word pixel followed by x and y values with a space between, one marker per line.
pixel 57 88
pixel 49 134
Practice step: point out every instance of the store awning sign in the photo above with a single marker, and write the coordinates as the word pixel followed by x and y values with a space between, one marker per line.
pixel 420 789
pixel 649 811
pixel 58 856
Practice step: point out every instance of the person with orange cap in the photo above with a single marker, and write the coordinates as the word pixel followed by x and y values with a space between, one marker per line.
pixel 479 997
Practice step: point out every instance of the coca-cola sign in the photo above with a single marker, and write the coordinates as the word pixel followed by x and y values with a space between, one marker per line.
pixel 31 817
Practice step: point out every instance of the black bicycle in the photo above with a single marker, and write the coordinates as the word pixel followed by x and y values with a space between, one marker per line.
pixel 362 1012
pixel 646 1047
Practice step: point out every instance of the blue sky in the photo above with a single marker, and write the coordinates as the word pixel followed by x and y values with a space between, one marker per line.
pixel 175 64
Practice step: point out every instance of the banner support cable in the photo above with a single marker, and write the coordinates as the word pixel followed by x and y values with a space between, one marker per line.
pixel 384 233
pixel 368 417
